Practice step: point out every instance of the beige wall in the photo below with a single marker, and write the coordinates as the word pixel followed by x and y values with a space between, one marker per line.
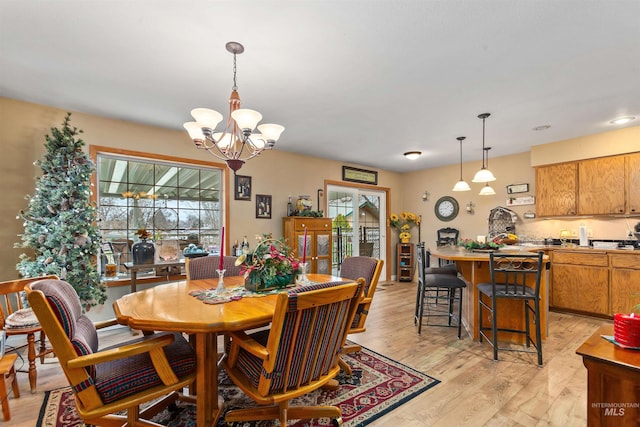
pixel 279 173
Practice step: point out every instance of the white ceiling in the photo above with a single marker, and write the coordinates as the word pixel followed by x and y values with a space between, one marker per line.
pixel 358 81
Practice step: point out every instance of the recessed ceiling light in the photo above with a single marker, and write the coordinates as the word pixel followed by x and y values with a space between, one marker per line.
pixel 412 155
pixel 622 120
pixel 543 127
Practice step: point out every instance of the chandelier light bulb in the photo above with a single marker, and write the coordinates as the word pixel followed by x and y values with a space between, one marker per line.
pixel 484 174
pixel 461 185
pixel 487 190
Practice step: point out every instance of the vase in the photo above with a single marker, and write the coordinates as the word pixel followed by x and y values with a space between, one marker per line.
pixel 143 252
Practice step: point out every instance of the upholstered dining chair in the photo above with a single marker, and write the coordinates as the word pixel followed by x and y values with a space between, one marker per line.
pixel 432 281
pixel 515 277
pixel 298 354
pixel 369 269
pixel 206 267
pixel 114 379
pixel 16 319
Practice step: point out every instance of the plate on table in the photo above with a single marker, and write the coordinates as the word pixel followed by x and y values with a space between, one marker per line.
pixel 196 255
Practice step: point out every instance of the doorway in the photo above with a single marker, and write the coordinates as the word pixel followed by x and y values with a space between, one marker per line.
pixel 358 216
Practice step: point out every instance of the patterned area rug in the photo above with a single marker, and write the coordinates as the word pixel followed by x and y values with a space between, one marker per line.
pixel 377 386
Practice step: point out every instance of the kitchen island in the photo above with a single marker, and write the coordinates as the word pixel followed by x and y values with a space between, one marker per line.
pixel 474 268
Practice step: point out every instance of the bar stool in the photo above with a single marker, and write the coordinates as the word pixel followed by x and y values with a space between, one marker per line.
pixel 431 281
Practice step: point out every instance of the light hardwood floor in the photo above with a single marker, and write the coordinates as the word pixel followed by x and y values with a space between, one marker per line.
pixel 475 390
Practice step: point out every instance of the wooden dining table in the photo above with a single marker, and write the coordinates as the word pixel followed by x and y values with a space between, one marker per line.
pixel 474 268
pixel 170 307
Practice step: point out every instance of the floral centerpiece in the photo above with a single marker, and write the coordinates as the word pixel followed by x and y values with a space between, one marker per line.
pixel 142 234
pixel 271 265
pixel 403 224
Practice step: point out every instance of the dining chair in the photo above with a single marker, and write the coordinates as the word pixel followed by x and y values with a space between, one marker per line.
pixel 514 277
pixel 113 379
pixel 206 267
pixel 432 281
pixel 298 354
pixel 369 269
pixel 17 319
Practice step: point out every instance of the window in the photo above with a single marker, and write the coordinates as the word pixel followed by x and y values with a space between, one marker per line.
pixel 172 200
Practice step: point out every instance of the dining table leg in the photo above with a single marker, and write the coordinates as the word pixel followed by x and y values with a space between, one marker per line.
pixel 208 403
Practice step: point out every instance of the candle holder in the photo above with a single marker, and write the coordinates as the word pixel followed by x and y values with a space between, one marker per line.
pixel 220 288
pixel 302 277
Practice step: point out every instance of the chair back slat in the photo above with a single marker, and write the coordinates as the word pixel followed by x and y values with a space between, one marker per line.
pixel 369 269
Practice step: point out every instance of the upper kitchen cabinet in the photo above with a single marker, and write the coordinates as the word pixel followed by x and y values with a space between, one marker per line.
pixel 601 186
pixel 556 188
pixel 632 168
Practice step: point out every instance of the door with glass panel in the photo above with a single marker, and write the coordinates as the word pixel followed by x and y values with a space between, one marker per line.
pixel 359 223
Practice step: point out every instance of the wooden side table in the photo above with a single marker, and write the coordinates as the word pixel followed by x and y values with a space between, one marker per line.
pixel 8 374
pixel 613 385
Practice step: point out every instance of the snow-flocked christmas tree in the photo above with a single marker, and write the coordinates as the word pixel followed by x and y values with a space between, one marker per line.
pixel 60 221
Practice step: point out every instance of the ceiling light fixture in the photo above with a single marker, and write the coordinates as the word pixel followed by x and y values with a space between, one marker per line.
pixel 412 155
pixel 487 190
pixel 484 174
pixel 462 184
pixel 236 144
pixel 622 120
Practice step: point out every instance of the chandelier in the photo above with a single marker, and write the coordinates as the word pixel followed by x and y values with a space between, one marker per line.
pixel 487 190
pixel 236 143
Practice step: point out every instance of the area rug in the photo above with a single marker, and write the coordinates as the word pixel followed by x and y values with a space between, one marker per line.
pixel 377 386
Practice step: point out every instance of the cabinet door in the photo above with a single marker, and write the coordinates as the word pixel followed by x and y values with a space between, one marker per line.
pixel 601 184
pixel 633 183
pixel 322 252
pixel 580 288
pixel 556 187
pixel 625 290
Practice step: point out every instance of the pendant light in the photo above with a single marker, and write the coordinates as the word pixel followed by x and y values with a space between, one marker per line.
pixel 462 184
pixel 487 190
pixel 484 174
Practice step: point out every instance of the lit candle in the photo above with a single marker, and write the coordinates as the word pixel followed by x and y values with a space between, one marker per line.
pixel 221 249
pixel 304 246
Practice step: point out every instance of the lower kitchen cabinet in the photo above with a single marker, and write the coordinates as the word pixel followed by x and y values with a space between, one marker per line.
pixel 625 282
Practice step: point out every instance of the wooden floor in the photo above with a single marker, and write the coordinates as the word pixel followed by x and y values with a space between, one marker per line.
pixel 475 390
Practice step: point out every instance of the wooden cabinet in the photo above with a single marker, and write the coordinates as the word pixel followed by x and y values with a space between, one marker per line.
pixel 405 262
pixel 601 184
pixel 632 174
pixel 580 281
pixel 556 189
pixel 625 282
pixel 319 241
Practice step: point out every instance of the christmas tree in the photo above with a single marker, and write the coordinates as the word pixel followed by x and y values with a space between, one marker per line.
pixel 60 221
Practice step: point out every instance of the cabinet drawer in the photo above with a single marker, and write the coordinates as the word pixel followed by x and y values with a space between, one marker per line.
pixel 625 261
pixel 314 224
pixel 598 259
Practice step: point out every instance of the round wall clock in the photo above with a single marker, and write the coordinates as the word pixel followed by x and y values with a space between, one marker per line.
pixel 446 208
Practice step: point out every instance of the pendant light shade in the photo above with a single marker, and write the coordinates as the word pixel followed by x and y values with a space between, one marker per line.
pixel 462 184
pixel 487 190
pixel 484 174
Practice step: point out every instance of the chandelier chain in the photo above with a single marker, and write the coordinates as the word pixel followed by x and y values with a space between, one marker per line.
pixel 235 84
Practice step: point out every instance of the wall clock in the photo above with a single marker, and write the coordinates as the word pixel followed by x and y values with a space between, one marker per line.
pixel 446 208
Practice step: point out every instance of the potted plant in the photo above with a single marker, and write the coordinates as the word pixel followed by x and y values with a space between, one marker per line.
pixel 270 266
pixel 403 223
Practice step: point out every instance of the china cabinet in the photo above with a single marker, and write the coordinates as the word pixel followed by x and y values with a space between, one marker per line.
pixel 319 241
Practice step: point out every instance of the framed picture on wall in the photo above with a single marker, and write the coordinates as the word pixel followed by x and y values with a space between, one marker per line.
pixel 263 206
pixel 242 187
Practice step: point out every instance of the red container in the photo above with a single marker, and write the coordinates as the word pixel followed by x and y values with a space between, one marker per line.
pixel 626 329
